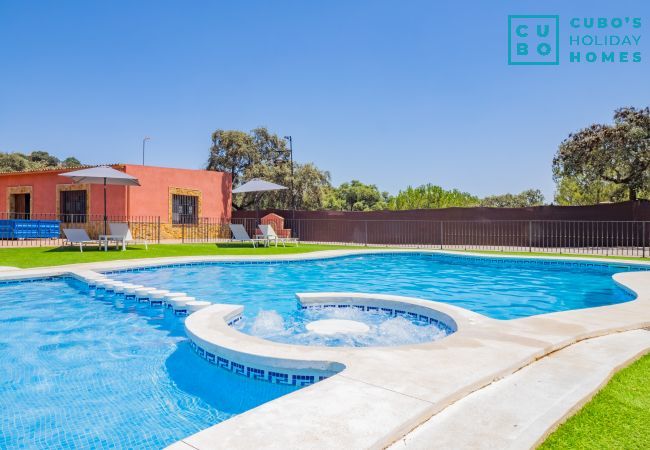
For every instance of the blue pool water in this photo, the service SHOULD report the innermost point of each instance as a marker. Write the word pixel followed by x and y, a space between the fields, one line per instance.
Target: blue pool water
pixel 384 328
pixel 85 373
pixel 497 290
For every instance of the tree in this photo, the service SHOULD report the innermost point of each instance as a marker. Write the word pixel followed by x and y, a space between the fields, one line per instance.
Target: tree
pixel 262 154
pixel 357 196
pixel 576 191
pixel 618 154
pixel 71 161
pixel 233 152
pixel 311 186
pixel 16 161
pixel 430 196
pixel 530 197
pixel 44 159
pixel 270 147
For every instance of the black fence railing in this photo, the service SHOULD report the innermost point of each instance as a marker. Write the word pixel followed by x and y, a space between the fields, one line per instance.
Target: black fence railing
pixel 47 229
pixel 623 238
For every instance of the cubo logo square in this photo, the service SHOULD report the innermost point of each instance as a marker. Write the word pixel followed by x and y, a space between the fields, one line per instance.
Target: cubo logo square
pixel 533 40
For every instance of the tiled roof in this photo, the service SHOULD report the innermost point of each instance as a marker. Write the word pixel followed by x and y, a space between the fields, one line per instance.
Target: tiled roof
pixel 58 169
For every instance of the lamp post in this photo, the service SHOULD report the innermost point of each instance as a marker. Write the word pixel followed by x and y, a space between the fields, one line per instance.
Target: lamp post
pixel 144 141
pixel 293 198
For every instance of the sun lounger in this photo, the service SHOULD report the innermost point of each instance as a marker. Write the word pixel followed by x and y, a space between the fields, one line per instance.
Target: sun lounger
pixel 120 232
pixel 239 234
pixel 78 236
pixel 269 234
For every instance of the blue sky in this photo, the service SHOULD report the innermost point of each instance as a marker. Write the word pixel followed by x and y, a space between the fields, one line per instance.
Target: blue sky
pixel 389 92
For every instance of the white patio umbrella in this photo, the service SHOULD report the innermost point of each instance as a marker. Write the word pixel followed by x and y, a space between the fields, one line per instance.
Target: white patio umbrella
pixel 257 185
pixel 102 175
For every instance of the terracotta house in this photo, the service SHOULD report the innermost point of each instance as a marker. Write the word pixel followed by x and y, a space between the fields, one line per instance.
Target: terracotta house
pixel 174 197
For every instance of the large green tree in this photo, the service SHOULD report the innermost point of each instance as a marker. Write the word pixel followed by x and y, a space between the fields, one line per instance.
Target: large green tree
pixel 607 156
pixel 430 196
pixel 262 154
pixel 529 197
pixel 232 151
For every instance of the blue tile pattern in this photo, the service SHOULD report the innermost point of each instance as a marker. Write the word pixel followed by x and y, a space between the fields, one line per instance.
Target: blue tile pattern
pixel 258 373
pixel 388 311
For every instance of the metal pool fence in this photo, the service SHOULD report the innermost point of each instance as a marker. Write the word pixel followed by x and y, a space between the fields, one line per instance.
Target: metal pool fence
pixel 46 230
pixel 621 238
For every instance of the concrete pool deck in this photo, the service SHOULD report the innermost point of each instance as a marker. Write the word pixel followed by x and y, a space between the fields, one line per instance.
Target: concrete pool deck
pixel 519 411
pixel 384 394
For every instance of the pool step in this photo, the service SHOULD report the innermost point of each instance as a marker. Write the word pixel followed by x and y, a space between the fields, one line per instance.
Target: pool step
pixel 179 302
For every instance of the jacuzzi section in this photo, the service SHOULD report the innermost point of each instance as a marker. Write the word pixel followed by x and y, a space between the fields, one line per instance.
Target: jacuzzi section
pixel 213 339
pixel 379 303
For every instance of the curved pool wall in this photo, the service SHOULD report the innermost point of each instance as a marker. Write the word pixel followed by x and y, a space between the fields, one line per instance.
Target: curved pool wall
pixel 497 287
pixel 385 323
pixel 84 371
pixel 362 302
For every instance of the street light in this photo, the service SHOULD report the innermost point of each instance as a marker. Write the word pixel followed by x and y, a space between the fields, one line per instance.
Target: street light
pixel 146 138
pixel 293 198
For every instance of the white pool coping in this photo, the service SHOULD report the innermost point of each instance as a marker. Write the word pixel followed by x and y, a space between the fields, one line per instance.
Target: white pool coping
pixel 519 411
pixel 384 392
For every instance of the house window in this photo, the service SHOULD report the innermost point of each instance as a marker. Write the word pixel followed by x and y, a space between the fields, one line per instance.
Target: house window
pixel 184 209
pixel 72 206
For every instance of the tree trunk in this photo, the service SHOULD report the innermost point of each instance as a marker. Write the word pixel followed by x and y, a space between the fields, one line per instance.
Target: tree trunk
pixel 632 194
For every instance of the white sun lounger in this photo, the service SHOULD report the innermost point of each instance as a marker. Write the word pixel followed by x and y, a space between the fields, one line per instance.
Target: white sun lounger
pixel 120 232
pixel 239 234
pixel 78 236
pixel 269 234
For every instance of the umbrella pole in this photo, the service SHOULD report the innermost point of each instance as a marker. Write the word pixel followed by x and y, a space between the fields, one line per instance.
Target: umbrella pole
pixel 257 210
pixel 104 205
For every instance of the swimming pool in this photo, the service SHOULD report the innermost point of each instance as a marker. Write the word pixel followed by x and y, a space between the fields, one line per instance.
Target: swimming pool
pixel 497 288
pixel 84 372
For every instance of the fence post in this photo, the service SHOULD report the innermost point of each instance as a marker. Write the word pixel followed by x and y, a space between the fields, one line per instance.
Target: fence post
pixel 182 233
pixel 441 234
pixel 530 236
pixel 365 222
pixel 158 222
pixel 643 239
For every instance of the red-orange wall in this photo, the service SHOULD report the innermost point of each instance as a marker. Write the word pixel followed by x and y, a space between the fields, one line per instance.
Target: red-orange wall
pixel 152 197
pixel 44 193
pixel 149 199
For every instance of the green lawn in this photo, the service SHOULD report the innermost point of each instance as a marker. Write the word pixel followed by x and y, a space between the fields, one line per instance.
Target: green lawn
pixel 618 417
pixel 55 256
pixel 25 257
